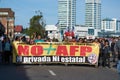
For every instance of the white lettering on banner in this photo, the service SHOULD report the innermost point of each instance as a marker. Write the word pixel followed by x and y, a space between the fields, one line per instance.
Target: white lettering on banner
pixel 36 59
pixel 25 60
pixel 55 58
pixel 73 59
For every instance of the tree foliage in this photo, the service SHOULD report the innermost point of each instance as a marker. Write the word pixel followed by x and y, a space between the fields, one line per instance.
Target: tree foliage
pixel 37 25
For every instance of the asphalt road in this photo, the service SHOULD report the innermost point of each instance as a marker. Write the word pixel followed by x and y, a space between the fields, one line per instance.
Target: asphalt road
pixel 56 72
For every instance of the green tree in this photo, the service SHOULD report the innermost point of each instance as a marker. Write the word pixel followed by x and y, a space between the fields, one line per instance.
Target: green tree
pixel 37 25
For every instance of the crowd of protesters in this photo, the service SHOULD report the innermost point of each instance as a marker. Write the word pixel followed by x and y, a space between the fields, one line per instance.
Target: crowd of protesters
pixel 109 47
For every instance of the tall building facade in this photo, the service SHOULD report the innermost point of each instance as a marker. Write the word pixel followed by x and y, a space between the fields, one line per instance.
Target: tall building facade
pixel 66 13
pixel 7 19
pixel 93 13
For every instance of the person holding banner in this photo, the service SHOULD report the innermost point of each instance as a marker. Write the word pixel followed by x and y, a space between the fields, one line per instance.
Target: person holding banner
pixel 38 39
pixel 81 40
pixel 97 41
pixel 65 39
pixel 27 39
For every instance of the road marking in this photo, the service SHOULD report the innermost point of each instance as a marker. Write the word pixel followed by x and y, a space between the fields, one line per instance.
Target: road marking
pixel 52 73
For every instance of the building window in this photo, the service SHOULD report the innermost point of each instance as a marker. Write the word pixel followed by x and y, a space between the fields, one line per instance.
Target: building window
pixel 50 31
pixel 91 31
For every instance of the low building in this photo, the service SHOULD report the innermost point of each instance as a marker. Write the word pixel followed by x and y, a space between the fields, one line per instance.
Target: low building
pixel 81 31
pixel 18 29
pixel 2 29
pixel 52 31
pixel 7 18
pixel 86 32
pixel 110 27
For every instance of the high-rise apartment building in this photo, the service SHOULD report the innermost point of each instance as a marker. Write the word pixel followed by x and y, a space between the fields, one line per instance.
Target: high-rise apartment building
pixel 66 13
pixel 93 13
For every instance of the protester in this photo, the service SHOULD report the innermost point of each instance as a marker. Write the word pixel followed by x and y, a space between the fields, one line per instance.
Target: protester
pixel 102 44
pixel 48 40
pixel 27 39
pixel 65 39
pixel 31 41
pixel 113 50
pixel 104 51
pixel 73 39
pixel 81 40
pixel 106 54
pixel 39 39
pixel 7 50
pixel 117 50
pixel 1 48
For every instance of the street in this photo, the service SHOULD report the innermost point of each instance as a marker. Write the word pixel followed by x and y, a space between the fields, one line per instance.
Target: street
pixel 56 72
